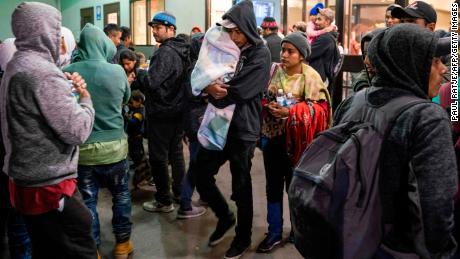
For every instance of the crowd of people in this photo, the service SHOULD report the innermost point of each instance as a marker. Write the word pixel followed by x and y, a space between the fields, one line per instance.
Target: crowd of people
pixel 73 116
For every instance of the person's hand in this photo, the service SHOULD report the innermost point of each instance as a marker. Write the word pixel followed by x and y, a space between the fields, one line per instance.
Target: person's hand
pixel 217 90
pixel 131 77
pixel 277 110
pixel 78 83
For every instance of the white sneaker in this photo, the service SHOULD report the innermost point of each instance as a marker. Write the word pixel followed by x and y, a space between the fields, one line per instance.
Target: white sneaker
pixel 194 212
pixel 155 206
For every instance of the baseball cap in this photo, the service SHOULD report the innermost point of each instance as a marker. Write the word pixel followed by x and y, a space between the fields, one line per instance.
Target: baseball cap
pixel 328 13
pixel 443 47
pixel 417 9
pixel 226 23
pixel 164 18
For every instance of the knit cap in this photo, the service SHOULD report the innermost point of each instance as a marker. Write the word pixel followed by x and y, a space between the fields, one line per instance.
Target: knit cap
pixel 269 23
pixel 299 40
pixel 314 10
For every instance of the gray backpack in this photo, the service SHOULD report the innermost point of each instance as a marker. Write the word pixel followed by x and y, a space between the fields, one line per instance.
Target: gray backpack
pixel 334 195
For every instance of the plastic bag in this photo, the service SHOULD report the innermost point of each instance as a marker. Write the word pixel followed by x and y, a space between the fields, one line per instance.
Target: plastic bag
pixel 213 130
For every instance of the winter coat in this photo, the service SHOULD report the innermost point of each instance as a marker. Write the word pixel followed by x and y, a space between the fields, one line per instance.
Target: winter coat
pixel 419 144
pixel 251 77
pixel 42 123
pixel 107 83
pixel 167 80
pixel 274 45
pixel 323 53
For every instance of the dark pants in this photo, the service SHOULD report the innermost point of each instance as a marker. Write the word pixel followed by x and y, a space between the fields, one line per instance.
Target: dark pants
pixel 115 177
pixel 18 237
pixel 136 149
pixel 165 145
pixel 239 153
pixel 189 181
pixel 278 170
pixel 65 234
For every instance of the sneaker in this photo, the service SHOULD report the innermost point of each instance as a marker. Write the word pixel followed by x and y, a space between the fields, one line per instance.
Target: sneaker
pixel 236 251
pixel 123 250
pixel 270 242
pixel 155 206
pixel 291 237
pixel 223 225
pixel 192 213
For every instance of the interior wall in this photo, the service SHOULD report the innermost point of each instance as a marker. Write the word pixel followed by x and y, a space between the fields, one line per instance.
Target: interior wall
pixel 71 13
pixel 6 10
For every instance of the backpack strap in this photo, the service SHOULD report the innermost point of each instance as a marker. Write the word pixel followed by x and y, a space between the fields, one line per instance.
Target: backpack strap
pixel 382 117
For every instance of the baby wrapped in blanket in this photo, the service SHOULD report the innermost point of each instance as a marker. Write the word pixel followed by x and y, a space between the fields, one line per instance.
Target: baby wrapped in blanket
pixel 217 60
pixel 216 63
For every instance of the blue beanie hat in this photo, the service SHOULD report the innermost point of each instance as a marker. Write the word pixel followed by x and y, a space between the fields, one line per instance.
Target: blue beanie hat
pixel 314 10
pixel 164 18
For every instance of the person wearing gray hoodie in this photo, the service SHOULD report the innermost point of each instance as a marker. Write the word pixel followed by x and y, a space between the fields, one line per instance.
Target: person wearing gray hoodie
pixel 42 125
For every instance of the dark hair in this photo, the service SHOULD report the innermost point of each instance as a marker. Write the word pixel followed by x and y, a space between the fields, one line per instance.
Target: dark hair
pixel 368 38
pixel 391 7
pixel 184 36
pixel 125 33
pixel 138 96
pixel 111 29
pixel 129 55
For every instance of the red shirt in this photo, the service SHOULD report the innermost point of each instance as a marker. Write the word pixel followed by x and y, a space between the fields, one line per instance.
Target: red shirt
pixel 39 200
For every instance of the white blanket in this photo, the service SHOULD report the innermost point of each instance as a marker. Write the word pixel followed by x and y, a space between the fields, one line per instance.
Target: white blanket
pixel 218 58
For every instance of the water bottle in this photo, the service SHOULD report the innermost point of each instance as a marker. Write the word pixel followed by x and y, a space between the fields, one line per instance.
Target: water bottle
pixel 74 91
pixel 290 99
pixel 281 98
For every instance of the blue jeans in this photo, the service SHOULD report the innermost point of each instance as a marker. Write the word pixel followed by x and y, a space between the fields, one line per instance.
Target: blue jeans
pixel 18 237
pixel 189 181
pixel 115 177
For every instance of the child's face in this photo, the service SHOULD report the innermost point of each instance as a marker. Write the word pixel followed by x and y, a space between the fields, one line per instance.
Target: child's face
pixel 135 104
pixel 128 65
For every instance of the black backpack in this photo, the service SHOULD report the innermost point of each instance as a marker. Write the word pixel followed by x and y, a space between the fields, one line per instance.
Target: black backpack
pixel 334 195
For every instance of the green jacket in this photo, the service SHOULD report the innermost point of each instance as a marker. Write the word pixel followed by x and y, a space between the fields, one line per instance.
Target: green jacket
pixel 107 83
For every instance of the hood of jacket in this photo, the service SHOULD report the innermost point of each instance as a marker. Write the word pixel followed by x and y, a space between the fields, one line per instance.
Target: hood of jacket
pixel 242 14
pixel 179 45
pixel 95 45
pixel 402 57
pixel 37 27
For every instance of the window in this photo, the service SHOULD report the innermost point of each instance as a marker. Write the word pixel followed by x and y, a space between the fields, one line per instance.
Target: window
pixel 141 13
pixel 295 12
pixel 217 8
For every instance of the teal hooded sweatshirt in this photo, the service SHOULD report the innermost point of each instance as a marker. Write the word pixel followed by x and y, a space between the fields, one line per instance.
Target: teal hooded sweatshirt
pixel 107 83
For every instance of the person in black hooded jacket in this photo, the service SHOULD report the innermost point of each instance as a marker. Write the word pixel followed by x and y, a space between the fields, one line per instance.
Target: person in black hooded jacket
pixel 245 90
pixel 324 52
pixel 164 107
pixel 418 152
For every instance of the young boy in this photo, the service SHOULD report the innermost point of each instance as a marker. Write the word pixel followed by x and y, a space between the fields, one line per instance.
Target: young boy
pixel 135 128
